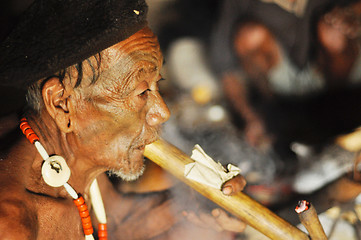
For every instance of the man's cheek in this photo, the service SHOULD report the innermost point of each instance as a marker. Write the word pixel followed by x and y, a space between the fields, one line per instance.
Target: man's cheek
pixel 132 122
pixel 93 133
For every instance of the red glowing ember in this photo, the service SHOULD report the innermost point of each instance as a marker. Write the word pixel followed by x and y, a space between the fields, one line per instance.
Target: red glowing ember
pixel 302 206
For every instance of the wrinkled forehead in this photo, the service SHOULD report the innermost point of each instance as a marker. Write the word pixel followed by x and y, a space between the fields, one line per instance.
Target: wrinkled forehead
pixel 122 63
pixel 141 50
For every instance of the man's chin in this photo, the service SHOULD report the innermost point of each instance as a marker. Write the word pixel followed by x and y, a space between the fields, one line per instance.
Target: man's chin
pixel 132 176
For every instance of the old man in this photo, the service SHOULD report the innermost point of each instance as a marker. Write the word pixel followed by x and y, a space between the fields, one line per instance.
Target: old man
pixel 91 71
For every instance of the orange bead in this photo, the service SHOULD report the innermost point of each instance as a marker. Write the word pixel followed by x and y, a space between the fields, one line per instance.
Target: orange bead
pixel 33 137
pixel 88 231
pixel 102 234
pixel 79 201
pixel 82 208
pixel 24 126
pixel 27 131
pixel 23 122
pixel 86 219
pixel 84 214
pixel 102 231
pixel 87 225
pixel 102 226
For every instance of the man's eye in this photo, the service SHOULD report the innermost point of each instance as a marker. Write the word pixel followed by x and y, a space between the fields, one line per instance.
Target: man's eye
pixel 144 93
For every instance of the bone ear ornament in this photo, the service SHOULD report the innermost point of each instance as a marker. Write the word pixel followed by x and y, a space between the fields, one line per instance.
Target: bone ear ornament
pixel 54 170
pixel 56 173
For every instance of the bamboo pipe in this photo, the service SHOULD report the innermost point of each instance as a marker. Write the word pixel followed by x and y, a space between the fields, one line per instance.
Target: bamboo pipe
pixel 308 217
pixel 242 206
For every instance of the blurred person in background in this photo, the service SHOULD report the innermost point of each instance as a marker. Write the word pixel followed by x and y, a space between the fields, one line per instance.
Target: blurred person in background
pixel 290 69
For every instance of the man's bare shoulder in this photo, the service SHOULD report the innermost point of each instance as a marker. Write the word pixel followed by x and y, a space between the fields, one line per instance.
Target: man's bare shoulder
pixel 17 219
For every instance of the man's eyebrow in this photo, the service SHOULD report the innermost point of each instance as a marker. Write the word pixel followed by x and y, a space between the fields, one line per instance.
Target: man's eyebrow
pixel 149 69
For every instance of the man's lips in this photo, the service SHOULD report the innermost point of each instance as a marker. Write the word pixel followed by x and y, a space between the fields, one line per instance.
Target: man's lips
pixel 149 136
pixel 142 146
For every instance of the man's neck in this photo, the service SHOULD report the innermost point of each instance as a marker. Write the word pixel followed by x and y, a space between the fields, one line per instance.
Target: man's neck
pixel 55 143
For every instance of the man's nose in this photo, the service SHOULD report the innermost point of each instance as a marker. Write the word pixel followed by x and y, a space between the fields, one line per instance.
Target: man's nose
pixel 158 112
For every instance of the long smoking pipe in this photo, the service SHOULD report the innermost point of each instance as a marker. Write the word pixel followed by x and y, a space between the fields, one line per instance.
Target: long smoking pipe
pixel 240 205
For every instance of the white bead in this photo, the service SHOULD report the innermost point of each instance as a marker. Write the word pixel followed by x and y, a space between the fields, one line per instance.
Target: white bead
pixel 89 237
pixel 71 191
pixel 41 150
pixel 55 171
pixel 97 202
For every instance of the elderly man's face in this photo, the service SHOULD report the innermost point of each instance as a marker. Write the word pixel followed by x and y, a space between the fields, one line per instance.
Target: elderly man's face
pixel 123 110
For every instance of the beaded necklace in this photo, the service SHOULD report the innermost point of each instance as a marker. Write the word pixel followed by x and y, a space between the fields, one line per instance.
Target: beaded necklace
pixel 56 173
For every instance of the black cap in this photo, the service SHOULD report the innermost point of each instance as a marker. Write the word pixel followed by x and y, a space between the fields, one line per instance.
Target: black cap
pixel 54 34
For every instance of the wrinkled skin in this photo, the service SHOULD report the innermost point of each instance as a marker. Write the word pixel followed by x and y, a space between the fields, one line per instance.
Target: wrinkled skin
pixel 127 109
pixel 95 127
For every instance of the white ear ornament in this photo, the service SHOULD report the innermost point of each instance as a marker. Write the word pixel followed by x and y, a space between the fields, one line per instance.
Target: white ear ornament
pixel 55 171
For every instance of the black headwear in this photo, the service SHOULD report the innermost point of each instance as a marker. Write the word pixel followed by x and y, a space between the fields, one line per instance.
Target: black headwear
pixel 54 34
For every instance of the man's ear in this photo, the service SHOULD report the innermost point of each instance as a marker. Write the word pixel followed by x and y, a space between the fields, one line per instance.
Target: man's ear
pixel 56 101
